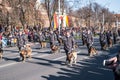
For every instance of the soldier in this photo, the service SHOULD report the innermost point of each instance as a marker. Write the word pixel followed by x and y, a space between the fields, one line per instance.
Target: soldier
pixel 41 38
pixel 20 40
pixel 52 38
pixel 103 40
pixel 69 43
pixel 108 34
pixel 58 36
pixel 84 36
pixel 89 40
pixel 115 36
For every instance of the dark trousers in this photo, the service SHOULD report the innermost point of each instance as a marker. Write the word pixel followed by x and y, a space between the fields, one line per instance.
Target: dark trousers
pixel 19 48
pixel 88 46
pixel 114 38
pixel 83 41
pixel 116 76
pixel 67 55
pixel 103 45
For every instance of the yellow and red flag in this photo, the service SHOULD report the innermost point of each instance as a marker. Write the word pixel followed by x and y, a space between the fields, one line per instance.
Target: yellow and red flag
pixel 55 21
pixel 67 21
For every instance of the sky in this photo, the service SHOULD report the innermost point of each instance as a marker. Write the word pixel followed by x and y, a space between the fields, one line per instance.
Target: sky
pixel 113 5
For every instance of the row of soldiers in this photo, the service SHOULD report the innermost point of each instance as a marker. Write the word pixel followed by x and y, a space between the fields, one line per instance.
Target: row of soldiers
pixel 68 40
pixel 23 37
pixel 106 38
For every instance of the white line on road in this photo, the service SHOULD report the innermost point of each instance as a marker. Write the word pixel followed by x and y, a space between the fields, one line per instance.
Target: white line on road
pixel 13 63
pixel 59 58
pixel 8 64
pixel 41 56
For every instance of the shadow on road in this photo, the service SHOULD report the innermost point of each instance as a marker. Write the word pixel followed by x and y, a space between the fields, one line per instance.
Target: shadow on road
pixel 89 69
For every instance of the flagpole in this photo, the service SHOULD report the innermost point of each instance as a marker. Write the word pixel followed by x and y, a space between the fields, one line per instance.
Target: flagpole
pixel 103 20
pixel 59 16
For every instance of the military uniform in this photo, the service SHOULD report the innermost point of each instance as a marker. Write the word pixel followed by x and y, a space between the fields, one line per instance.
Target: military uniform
pixel 52 38
pixel 20 41
pixel 41 38
pixel 84 37
pixel 69 43
pixel 115 37
pixel 108 34
pixel 89 40
pixel 102 39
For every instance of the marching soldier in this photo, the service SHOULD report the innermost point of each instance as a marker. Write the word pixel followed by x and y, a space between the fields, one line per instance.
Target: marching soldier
pixel 108 34
pixel 69 43
pixel 41 38
pixel 20 40
pixel 114 37
pixel 52 38
pixel 103 40
pixel 89 40
pixel 84 36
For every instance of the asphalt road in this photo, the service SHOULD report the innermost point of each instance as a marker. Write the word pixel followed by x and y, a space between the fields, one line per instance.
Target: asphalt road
pixel 47 66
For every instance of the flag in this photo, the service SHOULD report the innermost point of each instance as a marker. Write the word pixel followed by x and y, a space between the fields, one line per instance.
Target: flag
pixel 67 21
pixel 55 21
pixel 64 21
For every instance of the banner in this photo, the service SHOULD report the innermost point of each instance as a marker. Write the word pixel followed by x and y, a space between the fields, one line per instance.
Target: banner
pixel 55 21
pixel 67 21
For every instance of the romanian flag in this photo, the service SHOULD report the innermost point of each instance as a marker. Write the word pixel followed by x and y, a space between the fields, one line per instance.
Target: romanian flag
pixel 55 21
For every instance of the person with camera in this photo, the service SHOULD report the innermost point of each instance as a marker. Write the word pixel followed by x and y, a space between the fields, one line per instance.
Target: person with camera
pixel 114 64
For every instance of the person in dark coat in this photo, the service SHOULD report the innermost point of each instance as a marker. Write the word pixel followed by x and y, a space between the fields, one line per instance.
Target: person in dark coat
pixel 41 38
pixel 20 40
pixel 108 34
pixel 58 36
pixel 89 40
pixel 69 43
pixel 84 36
pixel 103 40
pixel 52 38
pixel 115 37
